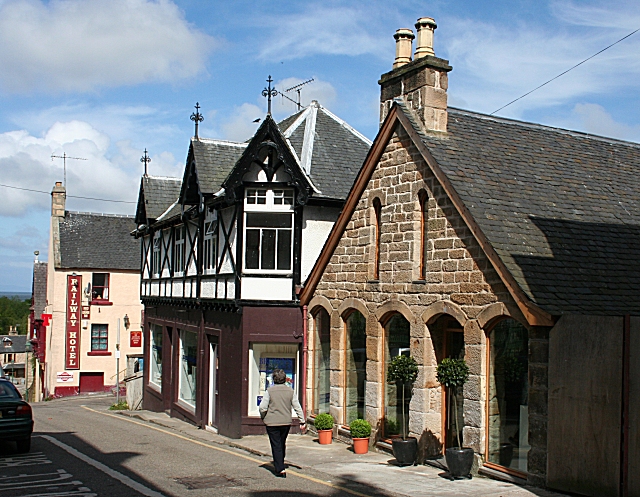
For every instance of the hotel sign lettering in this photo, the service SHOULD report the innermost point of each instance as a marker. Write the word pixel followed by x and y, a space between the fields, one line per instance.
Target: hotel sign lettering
pixel 72 359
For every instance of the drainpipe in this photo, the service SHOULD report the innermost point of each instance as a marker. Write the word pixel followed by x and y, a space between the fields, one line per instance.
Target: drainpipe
pixel 304 360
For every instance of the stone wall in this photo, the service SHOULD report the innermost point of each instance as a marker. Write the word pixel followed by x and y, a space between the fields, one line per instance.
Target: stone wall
pixel 459 282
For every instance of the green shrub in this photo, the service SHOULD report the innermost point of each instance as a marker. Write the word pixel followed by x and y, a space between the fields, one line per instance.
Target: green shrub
pixel 120 406
pixel 452 373
pixel 402 369
pixel 360 428
pixel 324 422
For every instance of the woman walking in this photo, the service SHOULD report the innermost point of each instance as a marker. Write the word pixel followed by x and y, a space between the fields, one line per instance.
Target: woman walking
pixel 275 410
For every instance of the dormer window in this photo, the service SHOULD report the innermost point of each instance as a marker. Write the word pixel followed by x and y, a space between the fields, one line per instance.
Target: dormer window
pixel 268 230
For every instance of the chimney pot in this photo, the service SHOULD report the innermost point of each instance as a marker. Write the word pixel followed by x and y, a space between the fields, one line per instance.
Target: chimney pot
pixel 404 38
pixel 425 26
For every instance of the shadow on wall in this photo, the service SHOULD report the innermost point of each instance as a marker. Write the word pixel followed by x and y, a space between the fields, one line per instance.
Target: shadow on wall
pixel 592 267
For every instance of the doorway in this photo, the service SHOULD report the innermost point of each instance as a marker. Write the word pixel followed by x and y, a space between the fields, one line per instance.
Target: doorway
pixel 91 382
pixel 213 383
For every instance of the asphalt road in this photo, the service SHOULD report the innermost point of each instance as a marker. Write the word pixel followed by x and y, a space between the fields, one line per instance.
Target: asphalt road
pixel 81 449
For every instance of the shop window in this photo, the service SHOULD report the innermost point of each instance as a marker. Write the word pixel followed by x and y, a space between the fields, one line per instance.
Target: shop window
pixel 210 245
pixel 100 286
pixel 321 362
pixel 188 363
pixel 155 260
pixel 508 411
pixel 377 212
pixel 155 374
pixel 178 249
pixel 263 359
pixel 355 366
pixel 396 342
pixel 99 337
pixel 268 225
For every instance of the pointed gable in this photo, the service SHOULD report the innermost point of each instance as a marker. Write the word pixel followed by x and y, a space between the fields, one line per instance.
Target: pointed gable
pixel 155 196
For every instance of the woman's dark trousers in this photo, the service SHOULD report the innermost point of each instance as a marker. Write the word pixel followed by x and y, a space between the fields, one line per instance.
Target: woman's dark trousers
pixel 278 439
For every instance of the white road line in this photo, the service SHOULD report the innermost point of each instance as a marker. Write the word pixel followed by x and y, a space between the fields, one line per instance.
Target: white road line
pixel 138 487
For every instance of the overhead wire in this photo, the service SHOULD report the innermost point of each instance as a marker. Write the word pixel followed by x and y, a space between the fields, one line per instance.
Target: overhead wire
pixel 565 72
pixel 70 196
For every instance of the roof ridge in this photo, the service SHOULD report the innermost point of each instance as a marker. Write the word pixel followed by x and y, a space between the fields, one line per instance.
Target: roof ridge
pixel 102 214
pixel 345 125
pixel 296 124
pixel 220 142
pixel 564 131
pixel 170 178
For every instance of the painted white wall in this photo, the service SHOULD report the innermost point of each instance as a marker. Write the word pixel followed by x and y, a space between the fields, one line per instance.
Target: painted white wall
pixel 266 288
pixel 317 222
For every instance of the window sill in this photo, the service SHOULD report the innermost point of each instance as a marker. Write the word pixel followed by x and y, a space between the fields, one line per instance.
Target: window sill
pixel 98 353
pixel 101 302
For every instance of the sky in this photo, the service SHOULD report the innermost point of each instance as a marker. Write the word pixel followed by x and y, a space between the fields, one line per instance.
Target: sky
pixel 103 80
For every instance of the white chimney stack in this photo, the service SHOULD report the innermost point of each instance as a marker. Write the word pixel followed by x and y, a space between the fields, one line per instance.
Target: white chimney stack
pixel 404 38
pixel 425 26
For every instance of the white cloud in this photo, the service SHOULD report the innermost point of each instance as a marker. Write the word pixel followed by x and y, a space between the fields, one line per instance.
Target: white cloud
pixel 327 29
pixel 240 126
pixel 80 45
pixel 594 119
pixel 25 162
pixel 319 90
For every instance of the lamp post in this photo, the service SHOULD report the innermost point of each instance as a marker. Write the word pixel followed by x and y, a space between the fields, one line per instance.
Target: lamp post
pixel 27 348
pixel 118 364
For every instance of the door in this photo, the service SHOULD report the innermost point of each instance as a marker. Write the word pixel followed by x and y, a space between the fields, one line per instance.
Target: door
pixel 213 384
pixel 91 382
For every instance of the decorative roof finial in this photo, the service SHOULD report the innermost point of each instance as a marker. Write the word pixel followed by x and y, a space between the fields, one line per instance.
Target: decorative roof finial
pixel 269 92
pixel 146 159
pixel 196 117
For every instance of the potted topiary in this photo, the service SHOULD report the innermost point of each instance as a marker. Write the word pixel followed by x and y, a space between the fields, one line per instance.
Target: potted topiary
pixel 403 371
pixel 453 374
pixel 360 432
pixel 324 425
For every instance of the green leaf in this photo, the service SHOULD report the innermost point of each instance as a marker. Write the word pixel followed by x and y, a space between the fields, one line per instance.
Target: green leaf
pixel 452 373
pixel 402 369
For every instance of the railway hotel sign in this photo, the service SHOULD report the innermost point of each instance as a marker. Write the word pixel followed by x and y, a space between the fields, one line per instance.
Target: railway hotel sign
pixel 72 359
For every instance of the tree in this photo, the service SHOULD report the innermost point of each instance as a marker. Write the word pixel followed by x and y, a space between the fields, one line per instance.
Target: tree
pixel 14 312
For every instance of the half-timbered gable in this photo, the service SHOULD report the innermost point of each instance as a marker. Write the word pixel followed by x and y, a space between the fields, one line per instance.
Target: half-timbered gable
pixel 227 255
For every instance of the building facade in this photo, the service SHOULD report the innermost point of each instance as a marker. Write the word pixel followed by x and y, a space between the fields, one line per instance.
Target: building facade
pixel 223 260
pixel 507 244
pixel 93 301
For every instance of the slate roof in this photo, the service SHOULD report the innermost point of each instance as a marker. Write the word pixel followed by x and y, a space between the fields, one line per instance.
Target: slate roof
pixel 18 344
pixel 561 208
pixel 159 193
pixel 98 241
pixel 214 161
pixel 338 150
pixel 39 288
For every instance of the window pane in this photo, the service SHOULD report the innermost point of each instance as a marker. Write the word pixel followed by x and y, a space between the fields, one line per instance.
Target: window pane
pixel 355 366
pixel 252 249
pixel 156 354
pixel 268 256
pixel 322 367
pixel 188 356
pixel 396 343
pixel 508 442
pixel 284 249
pixel 268 220
pixel 99 279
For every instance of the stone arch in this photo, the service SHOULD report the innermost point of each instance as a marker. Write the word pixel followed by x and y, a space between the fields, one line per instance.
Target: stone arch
pixel 319 301
pixel 393 306
pixel 444 307
pixel 492 312
pixel 351 303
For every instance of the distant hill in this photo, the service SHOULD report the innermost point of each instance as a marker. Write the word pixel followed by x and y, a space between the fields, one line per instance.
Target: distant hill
pixel 19 295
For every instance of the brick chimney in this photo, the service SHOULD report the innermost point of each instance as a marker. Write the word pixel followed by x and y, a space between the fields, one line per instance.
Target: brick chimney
pixel 58 199
pixel 422 83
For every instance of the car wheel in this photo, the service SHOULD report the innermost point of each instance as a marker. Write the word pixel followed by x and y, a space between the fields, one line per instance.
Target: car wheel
pixel 24 445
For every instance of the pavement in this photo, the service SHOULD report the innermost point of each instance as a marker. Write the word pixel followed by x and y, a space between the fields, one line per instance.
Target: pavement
pixel 337 460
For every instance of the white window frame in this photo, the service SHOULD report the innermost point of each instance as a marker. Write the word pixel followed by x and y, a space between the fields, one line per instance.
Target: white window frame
pixel 210 244
pixel 179 250
pixel 156 255
pixel 271 196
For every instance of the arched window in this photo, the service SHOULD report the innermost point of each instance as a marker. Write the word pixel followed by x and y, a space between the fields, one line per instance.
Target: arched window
pixel 397 342
pixel 321 362
pixel 508 411
pixel 423 200
pixel 377 212
pixel 355 366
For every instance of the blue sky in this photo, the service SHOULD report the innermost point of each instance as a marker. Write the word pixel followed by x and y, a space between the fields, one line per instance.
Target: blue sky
pixel 104 80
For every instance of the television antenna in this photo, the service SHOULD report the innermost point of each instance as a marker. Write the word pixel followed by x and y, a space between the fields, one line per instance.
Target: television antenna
pixel 297 89
pixel 64 158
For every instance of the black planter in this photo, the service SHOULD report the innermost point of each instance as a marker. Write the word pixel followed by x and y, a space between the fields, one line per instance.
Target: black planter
pixel 405 451
pixel 459 461
pixel 506 454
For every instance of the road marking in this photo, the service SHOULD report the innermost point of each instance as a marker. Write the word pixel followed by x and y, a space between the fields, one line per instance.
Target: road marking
pixel 226 451
pixel 138 487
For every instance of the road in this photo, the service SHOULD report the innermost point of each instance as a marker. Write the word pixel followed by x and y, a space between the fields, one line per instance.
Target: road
pixel 81 449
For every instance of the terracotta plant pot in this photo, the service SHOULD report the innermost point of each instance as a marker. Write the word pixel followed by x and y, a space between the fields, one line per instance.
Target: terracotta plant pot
pixel 325 436
pixel 361 445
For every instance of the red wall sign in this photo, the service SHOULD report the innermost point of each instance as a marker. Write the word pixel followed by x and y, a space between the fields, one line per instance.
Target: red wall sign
pixel 135 339
pixel 72 359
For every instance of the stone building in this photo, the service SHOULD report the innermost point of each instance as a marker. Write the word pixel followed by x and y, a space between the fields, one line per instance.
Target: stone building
pixel 92 300
pixel 509 244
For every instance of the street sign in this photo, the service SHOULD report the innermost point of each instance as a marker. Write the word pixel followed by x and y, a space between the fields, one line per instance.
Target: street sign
pixel 135 339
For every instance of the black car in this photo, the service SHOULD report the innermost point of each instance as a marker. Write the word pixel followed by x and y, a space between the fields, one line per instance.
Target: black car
pixel 16 419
